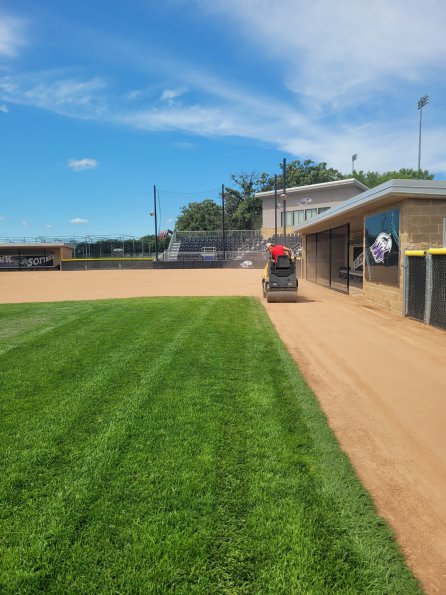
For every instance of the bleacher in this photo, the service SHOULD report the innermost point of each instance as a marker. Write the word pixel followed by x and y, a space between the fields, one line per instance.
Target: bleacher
pixel 292 240
pixel 194 245
pixel 238 244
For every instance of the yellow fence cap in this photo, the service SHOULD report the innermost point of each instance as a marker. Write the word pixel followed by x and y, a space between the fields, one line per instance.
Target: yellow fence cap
pixel 415 253
pixel 437 250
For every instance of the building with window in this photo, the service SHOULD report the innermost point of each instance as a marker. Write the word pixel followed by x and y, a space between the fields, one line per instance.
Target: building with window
pixel 303 203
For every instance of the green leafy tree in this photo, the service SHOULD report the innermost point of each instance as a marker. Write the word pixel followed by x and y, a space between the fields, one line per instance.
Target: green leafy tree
pixel 302 173
pixel 374 178
pixel 205 216
pixel 243 210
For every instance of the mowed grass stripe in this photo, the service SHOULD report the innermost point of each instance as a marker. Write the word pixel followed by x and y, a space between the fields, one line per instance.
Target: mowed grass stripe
pixel 173 446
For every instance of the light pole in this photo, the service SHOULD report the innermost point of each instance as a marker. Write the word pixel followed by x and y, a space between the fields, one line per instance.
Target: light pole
pixel 283 197
pixel 223 220
pixel 421 103
pixel 153 214
pixel 275 208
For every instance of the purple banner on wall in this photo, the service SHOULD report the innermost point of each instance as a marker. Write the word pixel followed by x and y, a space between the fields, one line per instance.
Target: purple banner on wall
pixel 382 247
pixel 26 261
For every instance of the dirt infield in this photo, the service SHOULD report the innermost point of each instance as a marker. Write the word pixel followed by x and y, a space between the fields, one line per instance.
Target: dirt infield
pixel 380 378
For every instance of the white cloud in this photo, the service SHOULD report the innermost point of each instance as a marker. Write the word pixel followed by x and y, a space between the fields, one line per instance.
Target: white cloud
pixel 78 221
pixel 81 164
pixel 345 63
pixel 4 109
pixel 332 50
pixel 11 35
pixel 52 90
pixel 48 226
pixel 26 224
pixel 133 95
pixel 170 95
pixel 2 218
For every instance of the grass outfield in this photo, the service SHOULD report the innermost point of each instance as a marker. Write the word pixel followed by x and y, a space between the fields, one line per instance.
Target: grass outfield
pixel 171 445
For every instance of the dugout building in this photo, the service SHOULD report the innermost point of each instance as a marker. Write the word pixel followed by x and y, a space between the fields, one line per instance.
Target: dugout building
pixel 35 256
pixel 369 239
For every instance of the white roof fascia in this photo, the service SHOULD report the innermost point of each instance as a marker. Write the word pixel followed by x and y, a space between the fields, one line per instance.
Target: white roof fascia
pixel 319 186
pixel 421 188
pixel 34 245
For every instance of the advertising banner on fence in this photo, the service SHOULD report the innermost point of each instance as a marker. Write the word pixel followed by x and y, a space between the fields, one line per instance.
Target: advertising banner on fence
pixel 23 261
pixel 382 247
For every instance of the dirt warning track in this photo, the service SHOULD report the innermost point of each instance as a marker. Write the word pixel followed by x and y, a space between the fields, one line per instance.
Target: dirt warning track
pixel 380 378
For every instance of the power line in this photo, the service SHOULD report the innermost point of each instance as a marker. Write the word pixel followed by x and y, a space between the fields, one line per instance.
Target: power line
pixel 189 193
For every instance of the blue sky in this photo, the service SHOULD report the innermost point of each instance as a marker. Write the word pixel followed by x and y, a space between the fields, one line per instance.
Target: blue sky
pixel 99 101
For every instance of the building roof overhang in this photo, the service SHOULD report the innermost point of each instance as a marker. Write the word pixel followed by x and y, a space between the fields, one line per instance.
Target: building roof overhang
pixel 380 196
pixel 35 245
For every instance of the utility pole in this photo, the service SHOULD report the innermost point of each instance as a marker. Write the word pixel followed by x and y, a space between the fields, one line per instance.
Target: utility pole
pixel 421 103
pixel 156 223
pixel 283 197
pixel 275 208
pixel 223 219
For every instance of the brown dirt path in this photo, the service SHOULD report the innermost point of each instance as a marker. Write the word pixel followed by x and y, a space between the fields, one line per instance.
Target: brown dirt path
pixel 380 378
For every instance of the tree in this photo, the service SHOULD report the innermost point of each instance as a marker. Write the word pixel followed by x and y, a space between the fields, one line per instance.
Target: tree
pixel 205 215
pixel 243 210
pixel 374 178
pixel 300 173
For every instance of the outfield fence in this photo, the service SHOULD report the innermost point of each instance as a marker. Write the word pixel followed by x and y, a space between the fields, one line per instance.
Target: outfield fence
pixel 425 286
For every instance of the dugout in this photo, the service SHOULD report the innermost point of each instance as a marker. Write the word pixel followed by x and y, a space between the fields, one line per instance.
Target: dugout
pixel 32 257
pixel 362 241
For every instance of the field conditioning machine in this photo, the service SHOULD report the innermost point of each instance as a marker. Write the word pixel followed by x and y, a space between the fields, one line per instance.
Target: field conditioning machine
pixel 279 280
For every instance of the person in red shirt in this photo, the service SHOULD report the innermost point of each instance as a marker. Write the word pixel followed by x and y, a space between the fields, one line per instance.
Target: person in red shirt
pixel 278 250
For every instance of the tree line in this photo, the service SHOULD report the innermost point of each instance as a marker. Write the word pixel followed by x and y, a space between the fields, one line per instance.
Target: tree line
pixel 243 210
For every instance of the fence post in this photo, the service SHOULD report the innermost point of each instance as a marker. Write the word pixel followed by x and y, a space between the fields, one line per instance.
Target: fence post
pixel 428 294
pixel 406 285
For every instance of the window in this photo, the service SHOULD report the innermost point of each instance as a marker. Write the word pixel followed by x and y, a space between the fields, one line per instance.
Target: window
pixel 322 210
pixel 309 213
pixel 299 217
pixel 444 233
pixel 289 218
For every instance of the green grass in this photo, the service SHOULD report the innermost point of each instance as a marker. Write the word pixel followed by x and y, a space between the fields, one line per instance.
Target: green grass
pixel 171 445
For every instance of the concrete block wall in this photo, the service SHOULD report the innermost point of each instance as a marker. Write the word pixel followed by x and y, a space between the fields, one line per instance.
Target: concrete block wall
pixel 422 226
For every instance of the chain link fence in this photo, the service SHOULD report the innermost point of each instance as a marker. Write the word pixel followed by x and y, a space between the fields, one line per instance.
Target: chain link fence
pixel 425 286
pixel 438 296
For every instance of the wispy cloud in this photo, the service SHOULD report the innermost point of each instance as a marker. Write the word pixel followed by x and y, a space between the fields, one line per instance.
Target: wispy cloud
pixel 170 95
pixel 26 223
pixel 4 109
pixel 336 81
pixel 134 95
pixel 54 91
pixel 330 50
pixel 2 218
pixel 12 35
pixel 81 164
pixel 78 221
